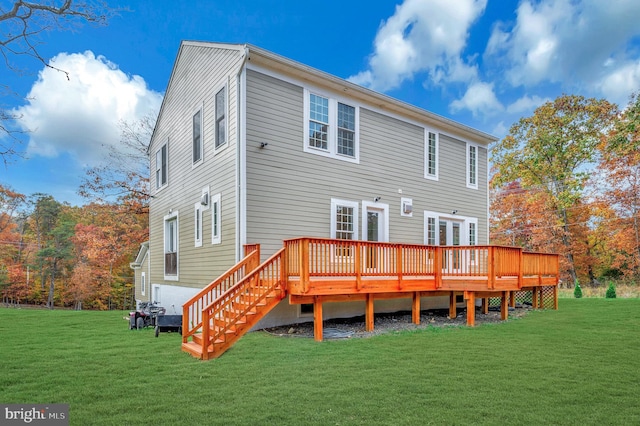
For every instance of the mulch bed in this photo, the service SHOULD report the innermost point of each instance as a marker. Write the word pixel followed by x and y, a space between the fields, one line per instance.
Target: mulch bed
pixel 391 322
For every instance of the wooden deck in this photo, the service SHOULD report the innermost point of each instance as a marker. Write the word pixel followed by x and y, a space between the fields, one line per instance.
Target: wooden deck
pixel 319 270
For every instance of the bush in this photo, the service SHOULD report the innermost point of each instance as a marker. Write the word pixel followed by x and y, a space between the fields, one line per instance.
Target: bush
pixel 611 292
pixel 577 291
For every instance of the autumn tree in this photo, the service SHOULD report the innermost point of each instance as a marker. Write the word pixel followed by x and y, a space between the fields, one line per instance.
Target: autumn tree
pixel 124 173
pixel 10 240
pixel 620 187
pixel 550 151
pixel 56 251
pixel 22 26
pixel 106 237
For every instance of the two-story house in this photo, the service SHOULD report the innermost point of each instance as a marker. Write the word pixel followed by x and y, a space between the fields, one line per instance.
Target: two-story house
pixel 253 147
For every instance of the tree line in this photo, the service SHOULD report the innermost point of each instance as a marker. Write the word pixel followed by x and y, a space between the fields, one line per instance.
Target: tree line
pixel 55 254
pixel 567 180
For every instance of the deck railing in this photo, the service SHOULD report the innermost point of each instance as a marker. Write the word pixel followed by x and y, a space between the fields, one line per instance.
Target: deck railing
pixel 542 264
pixel 224 314
pixel 310 258
pixel 192 309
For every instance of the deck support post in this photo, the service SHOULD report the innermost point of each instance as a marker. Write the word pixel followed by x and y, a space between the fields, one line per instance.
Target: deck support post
pixel 470 296
pixel 504 306
pixel 452 305
pixel 555 297
pixel 541 300
pixel 534 297
pixel 415 308
pixel 512 299
pixel 369 313
pixel 485 305
pixel 317 319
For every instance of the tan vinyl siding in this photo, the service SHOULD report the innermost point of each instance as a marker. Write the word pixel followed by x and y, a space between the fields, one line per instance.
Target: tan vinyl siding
pixel 199 73
pixel 289 191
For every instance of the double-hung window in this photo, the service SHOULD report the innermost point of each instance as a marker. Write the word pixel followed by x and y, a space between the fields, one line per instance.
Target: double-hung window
pixel 197 137
pixel 472 166
pixel 346 130
pixel 161 166
pixel 171 246
pixel 318 122
pixel 331 127
pixel 344 224
pixel 431 156
pixel 221 117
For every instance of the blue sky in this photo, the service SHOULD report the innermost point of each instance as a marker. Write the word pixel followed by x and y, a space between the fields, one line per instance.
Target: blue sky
pixel 485 63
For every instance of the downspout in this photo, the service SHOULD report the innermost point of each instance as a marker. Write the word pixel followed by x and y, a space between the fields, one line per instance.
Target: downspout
pixel 241 196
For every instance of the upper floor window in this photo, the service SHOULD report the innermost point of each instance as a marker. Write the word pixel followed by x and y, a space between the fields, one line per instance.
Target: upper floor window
pixel 331 127
pixel 346 130
pixel 472 166
pixel 161 166
pixel 318 122
pixel 221 117
pixel 431 156
pixel 197 137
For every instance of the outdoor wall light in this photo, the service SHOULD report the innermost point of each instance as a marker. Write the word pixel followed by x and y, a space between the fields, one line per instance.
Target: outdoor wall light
pixel 454 212
pixel 375 200
pixel 263 144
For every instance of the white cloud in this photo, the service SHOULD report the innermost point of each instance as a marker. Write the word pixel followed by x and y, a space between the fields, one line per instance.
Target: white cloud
pixel 422 35
pixel 573 43
pixel 621 83
pixel 500 130
pixel 79 115
pixel 479 99
pixel 526 104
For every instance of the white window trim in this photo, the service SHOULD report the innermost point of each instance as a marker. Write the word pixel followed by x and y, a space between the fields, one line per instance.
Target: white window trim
pixel 161 187
pixel 427 216
pixel 197 221
pixel 464 220
pixel 366 205
pixel 335 202
pixel 143 283
pixel 168 217
pixel 468 165
pixel 426 155
pixel 216 237
pixel 226 143
pixel 404 201
pixel 332 137
pixel 155 294
pixel 200 109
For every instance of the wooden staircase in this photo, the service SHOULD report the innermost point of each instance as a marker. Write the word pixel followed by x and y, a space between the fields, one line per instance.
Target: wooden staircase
pixel 222 312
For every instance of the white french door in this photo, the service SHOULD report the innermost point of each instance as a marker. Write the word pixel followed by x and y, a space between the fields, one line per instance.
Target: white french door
pixel 450 234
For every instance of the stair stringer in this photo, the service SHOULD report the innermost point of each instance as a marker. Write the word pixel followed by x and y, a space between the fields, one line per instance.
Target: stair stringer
pixel 239 309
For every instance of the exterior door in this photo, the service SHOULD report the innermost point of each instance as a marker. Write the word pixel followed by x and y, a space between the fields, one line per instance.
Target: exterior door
pixel 376 232
pixel 450 232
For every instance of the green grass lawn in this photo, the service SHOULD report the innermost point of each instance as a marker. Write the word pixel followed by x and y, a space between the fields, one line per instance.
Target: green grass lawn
pixel 578 365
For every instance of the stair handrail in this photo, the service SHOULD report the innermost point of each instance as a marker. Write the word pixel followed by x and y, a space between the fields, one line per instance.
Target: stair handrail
pixel 215 308
pixel 192 309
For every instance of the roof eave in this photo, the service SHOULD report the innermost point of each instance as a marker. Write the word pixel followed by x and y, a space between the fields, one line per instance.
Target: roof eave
pixel 288 66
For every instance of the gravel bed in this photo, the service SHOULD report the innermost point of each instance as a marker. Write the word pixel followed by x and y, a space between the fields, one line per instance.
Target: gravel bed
pixel 391 322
